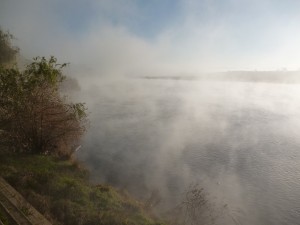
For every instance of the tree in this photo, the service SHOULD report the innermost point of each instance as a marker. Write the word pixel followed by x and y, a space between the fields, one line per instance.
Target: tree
pixel 7 51
pixel 34 117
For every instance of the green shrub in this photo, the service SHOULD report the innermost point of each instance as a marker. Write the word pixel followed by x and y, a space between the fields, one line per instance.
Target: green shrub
pixel 60 190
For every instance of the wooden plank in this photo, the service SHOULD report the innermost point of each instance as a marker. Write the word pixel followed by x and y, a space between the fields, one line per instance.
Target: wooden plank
pixel 9 197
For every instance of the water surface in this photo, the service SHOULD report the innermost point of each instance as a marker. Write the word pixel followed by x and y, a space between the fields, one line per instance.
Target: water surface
pixel 239 140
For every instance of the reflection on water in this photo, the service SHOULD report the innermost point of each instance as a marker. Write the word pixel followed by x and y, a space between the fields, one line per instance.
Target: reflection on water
pixel 238 140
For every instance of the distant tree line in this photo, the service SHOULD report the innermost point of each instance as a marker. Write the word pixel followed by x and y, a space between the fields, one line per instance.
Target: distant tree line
pixel 34 116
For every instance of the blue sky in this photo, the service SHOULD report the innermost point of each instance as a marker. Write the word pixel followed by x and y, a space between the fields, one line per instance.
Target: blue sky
pixel 159 36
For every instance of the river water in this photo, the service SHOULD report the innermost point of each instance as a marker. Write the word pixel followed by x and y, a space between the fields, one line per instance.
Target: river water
pixel 240 141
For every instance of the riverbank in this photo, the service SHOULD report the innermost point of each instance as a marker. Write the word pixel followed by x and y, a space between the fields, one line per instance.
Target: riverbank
pixel 61 191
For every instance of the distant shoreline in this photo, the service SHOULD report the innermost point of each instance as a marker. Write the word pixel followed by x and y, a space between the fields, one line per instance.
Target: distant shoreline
pixel 289 77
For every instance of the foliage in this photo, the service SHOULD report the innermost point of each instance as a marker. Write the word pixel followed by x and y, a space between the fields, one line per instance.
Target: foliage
pixel 33 114
pixel 60 190
pixel 7 51
pixel 194 209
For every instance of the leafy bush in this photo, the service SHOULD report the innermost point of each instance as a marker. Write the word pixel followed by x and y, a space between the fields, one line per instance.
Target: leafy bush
pixel 7 51
pixel 34 117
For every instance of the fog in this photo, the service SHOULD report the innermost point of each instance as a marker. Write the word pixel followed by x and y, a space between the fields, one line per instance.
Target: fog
pixel 121 38
pixel 179 93
pixel 237 140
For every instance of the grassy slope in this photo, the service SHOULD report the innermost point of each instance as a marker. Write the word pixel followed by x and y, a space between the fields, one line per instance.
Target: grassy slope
pixel 60 190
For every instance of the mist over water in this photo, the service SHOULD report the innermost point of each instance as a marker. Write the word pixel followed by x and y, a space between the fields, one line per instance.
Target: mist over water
pixel 236 135
pixel 238 140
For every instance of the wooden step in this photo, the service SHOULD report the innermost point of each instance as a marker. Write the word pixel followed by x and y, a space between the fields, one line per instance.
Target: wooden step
pixel 18 208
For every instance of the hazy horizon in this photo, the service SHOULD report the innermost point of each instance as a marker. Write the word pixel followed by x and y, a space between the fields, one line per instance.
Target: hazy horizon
pixel 117 38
